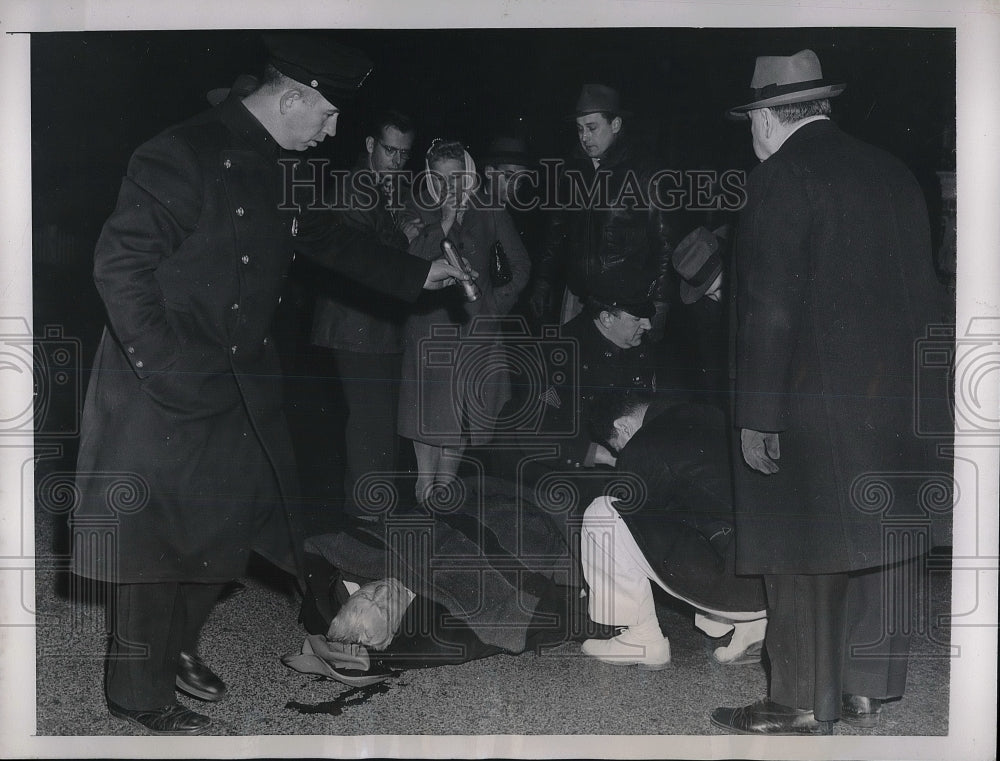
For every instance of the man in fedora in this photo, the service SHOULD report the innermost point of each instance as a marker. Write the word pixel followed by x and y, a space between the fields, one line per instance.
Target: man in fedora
pixel 606 217
pixel 834 287
pixel 184 402
pixel 699 325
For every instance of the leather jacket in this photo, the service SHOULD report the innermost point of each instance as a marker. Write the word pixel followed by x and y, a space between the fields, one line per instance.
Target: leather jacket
pixel 618 226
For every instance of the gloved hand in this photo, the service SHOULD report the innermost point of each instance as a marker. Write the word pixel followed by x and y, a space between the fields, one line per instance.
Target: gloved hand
pixel 760 450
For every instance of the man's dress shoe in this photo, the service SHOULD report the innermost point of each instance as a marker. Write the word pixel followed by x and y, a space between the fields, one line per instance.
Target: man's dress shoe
pixel 197 679
pixel 766 717
pixel 859 711
pixel 169 720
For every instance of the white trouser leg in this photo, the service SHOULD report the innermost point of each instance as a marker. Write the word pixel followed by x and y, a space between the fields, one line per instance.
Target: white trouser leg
pixel 619 577
pixel 619 585
pixel 620 593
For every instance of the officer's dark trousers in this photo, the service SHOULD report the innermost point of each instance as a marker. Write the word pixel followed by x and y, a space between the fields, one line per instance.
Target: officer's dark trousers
pixel 371 389
pixel 828 634
pixel 151 625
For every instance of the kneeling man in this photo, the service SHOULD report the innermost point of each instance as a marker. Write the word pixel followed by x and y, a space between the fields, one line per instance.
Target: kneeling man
pixel 677 532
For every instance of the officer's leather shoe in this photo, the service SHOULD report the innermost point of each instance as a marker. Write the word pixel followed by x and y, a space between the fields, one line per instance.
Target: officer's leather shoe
pixel 196 679
pixel 766 717
pixel 859 711
pixel 169 720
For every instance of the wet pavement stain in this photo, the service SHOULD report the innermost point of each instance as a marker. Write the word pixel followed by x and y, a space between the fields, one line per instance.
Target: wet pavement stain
pixel 353 697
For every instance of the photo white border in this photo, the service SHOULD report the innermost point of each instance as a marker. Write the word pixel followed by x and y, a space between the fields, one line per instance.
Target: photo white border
pixel 972 732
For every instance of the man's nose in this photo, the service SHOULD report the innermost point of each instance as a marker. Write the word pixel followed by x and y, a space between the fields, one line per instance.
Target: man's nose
pixel 645 324
pixel 330 127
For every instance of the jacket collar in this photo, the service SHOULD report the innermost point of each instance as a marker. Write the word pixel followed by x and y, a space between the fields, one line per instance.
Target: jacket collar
pixel 619 151
pixel 810 128
pixel 247 129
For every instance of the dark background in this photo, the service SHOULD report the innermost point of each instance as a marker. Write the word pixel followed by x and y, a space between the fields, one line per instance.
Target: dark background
pixel 98 95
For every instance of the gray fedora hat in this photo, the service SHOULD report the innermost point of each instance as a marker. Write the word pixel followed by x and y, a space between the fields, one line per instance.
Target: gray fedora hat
pixel 779 80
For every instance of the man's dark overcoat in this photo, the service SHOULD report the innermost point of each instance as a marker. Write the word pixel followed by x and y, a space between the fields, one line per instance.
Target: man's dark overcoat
pixel 835 288
pixel 185 460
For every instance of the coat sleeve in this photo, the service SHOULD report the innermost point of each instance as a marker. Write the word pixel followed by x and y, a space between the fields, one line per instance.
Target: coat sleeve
pixel 773 271
pixel 333 241
pixel 158 206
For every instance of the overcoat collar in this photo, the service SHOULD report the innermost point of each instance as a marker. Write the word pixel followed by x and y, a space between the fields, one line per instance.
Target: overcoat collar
pixel 247 129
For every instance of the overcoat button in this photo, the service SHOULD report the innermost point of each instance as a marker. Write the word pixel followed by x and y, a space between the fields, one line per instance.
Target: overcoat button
pixel 227 163
pixel 235 307
pixel 131 350
pixel 245 259
pixel 265 342
pixel 139 364
pixel 240 212
pixel 232 349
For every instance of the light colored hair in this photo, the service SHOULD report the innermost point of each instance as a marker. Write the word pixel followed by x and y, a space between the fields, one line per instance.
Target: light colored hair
pixel 789 113
pixel 364 621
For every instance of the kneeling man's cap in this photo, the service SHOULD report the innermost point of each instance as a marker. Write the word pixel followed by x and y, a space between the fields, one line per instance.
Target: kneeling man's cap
pixel 626 288
pixel 336 71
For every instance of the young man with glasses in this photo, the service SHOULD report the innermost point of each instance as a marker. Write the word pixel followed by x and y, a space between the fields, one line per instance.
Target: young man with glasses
pixel 362 331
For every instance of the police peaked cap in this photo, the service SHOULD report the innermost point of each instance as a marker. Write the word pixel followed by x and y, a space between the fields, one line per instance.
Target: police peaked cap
pixel 334 70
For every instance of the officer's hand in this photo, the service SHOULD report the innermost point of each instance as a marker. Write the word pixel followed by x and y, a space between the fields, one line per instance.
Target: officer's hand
pixel 442 274
pixel 411 229
pixel 760 450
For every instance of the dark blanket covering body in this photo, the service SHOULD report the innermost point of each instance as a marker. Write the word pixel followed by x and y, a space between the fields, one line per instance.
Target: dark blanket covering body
pixel 496 562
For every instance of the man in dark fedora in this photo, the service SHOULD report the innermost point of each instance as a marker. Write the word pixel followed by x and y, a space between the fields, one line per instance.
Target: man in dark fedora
pixel 699 323
pixel 184 401
pixel 833 245
pixel 606 217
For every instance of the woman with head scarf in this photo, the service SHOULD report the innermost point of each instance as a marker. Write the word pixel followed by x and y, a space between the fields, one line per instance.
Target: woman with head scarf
pixel 455 378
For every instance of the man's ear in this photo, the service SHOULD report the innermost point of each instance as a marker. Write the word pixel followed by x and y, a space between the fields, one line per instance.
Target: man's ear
pixel 605 318
pixel 288 100
pixel 770 122
pixel 616 124
pixel 623 427
pixel 369 145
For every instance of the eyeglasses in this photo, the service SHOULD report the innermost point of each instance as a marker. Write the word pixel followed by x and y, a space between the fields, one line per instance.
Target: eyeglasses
pixel 392 151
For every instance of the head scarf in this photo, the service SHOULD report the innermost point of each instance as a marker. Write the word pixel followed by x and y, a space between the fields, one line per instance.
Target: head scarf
pixel 469 180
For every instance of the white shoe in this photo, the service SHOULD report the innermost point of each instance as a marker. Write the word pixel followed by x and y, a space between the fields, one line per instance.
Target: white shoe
pixel 623 650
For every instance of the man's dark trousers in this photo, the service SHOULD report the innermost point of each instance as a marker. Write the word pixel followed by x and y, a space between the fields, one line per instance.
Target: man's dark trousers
pixel 828 634
pixel 370 383
pixel 152 624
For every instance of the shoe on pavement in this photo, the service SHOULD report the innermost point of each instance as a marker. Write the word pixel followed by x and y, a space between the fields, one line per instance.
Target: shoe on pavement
pixel 197 680
pixel 860 711
pixel 170 720
pixel 765 717
pixel 623 650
